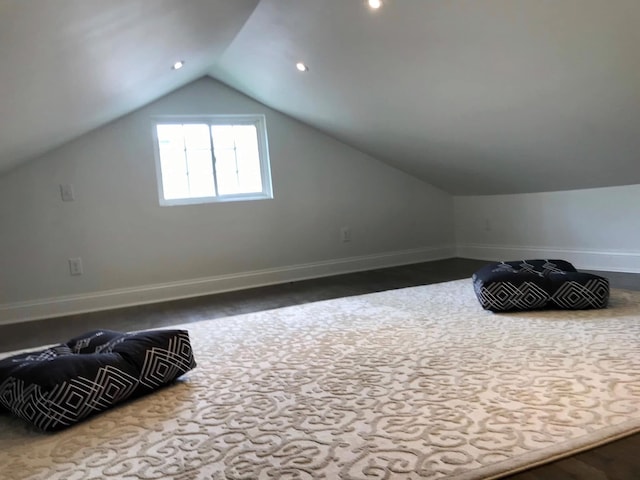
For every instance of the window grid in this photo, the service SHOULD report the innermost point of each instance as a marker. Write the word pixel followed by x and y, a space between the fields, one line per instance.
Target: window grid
pixel 216 190
pixel 246 178
pixel 186 161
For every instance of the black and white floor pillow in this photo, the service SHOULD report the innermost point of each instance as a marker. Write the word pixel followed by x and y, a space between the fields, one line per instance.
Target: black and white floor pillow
pixel 61 385
pixel 535 284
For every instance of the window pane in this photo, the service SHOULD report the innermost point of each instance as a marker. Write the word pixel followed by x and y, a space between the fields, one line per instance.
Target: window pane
pixel 201 186
pixel 175 185
pixel 173 159
pixel 249 170
pixel 237 158
pixel 196 137
pixel 227 172
pixel 246 136
pixel 199 161
pixel 223 136
pixel 201 173
pixel 170 136
pixel 175 182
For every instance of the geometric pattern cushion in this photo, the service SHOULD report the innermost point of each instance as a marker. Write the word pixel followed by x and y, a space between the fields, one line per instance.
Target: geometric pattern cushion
pixel 536 284
pixel 61 385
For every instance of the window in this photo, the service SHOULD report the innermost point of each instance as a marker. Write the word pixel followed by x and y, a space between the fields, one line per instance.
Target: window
pixel 211 159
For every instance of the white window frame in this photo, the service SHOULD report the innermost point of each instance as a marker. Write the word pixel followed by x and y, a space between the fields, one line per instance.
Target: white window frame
pixel 259 121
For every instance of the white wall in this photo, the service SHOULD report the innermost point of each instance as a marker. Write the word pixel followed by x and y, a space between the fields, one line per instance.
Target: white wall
pixel 595 228
pixel 135 251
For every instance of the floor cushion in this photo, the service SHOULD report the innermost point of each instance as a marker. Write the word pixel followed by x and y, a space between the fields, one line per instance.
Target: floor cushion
pixel 61 385
pixel 535 284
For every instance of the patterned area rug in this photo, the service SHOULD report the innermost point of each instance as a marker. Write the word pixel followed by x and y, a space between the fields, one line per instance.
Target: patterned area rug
pixel 418 383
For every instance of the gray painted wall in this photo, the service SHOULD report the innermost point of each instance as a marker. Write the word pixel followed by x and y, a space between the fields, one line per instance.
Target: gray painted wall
pixel 135 251
pixel 595 228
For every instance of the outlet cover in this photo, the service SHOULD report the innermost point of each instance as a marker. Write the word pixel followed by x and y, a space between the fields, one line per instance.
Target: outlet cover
pixel 75 266
pixel 345 234
pixel 67 193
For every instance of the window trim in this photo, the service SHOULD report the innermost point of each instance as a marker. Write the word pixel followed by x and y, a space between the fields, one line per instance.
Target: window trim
pixel 258 120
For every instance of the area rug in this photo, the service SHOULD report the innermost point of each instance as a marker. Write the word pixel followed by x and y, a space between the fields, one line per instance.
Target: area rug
pixel 417 383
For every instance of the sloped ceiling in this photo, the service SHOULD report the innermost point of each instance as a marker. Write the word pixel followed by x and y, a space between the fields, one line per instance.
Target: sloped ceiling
pixel 68 66
pixel 473 96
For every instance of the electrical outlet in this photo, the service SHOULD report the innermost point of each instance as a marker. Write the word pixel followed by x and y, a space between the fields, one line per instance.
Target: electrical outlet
pixel 75 266
pixel 345 234
pixel 67 193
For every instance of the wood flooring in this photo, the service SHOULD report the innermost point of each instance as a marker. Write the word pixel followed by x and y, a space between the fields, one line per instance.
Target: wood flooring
pixel 619 460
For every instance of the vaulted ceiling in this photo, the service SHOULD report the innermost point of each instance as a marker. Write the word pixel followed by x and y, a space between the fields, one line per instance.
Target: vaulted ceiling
pixel 473 96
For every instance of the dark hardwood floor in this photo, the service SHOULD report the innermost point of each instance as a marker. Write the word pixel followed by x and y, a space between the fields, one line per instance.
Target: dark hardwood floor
pixel 619 460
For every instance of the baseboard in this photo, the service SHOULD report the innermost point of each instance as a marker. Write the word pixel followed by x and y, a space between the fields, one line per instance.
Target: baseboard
pixel 105 300
pixel 604 260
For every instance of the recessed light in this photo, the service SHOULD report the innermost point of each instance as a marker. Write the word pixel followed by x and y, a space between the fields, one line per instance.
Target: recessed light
pixel 375 4
pixel 302 67
pixel 178 65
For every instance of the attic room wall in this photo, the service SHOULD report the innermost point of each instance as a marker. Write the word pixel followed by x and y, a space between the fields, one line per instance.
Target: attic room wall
pixel 135 251
pixel 597 229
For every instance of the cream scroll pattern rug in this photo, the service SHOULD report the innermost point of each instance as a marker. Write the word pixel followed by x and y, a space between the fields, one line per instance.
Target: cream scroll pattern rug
pixel 417 383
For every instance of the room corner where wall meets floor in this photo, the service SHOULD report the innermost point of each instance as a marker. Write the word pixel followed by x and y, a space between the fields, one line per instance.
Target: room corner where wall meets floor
pixel 596 229
pixel 161 314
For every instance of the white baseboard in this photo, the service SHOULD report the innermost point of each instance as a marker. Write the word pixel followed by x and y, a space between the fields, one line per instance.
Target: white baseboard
pixel 125 297
pixel 604 260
